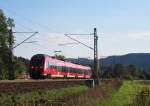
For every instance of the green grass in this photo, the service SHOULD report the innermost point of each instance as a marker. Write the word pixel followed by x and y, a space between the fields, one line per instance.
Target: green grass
pixel 105 95
pixel 40 96
pixel 125 94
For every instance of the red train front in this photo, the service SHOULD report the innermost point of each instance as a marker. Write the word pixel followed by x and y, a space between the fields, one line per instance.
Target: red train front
pixel 42 66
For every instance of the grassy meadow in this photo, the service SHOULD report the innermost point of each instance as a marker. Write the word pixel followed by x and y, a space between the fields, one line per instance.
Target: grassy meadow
pixel 40 97
pixel 110 93
pixel 127 94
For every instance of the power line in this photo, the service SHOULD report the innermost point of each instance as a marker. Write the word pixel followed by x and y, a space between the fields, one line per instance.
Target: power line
pixel 25 27
pixel 25 32
pixel 67 35
pixel 30 21
pixel 79 34
pixel 31 42
pixel 63 44
pixel 25 39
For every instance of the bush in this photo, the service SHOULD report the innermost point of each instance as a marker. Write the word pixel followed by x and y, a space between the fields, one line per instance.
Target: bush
pixel 142 98
pixel 128 77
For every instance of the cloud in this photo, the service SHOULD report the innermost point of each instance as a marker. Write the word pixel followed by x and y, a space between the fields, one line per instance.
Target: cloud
pixel 53 38
pixel 139 35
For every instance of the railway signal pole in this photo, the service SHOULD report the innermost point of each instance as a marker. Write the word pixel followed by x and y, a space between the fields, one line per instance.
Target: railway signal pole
pixel 95 49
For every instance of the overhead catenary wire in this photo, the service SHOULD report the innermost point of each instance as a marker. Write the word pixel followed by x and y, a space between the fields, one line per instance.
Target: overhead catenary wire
pixel 39 24
pixel 25 40
pixel 29 20
pixel 78 41
pixel 63 44
pixel 24 26
pixel 79 34
pixel 43 26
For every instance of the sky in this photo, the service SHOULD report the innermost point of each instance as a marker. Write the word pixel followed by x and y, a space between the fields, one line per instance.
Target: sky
pixel 123 26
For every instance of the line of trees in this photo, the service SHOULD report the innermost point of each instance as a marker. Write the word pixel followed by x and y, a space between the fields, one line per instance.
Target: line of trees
pixel 125 72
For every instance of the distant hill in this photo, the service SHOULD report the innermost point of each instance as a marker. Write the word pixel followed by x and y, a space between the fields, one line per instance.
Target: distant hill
pixel 140 59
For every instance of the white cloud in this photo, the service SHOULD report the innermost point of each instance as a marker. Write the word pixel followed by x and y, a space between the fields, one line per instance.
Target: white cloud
pixel 139 35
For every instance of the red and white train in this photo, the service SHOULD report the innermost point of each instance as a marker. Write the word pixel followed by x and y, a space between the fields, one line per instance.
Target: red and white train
pixel 42 66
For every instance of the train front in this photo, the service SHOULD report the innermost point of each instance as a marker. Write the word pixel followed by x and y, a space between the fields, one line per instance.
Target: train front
pixel 37 66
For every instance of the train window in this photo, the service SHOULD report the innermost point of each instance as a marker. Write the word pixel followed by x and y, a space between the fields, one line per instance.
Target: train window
pixel 55 67
pixel 37 62
pixel 90 71
pixel 59 68
pixel 70 69
pixel 62 68
pixel 81 71
pixel 85 71
pixel 47 64
pixel 74 70
pixel 77 70
pixel 67 69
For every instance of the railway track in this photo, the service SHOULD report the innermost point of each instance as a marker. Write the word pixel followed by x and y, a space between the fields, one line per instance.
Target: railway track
pixel 23 86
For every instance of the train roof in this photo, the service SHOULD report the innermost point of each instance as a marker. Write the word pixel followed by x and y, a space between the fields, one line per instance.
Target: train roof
pixel 63 63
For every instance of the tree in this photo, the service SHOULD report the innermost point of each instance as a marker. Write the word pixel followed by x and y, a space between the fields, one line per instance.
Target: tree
pixel 108 72
pixel 4 44
pixel 133 70
pixel 118 70
pixel 60 57
pixel 19 67
pixel 147 74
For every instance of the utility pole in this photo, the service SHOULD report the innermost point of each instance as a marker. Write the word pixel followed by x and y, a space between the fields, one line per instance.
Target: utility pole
pixel 96 61
pixel 95 49
pixel 11 58
pixel 11 47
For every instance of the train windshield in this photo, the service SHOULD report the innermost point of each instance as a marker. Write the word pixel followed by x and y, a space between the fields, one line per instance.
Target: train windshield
pixel 37 61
